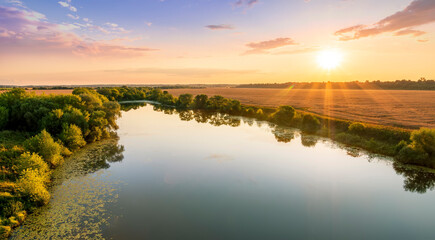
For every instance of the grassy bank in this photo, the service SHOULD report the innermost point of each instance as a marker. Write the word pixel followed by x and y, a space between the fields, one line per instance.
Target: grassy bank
pixel 37 134
pixel 405 145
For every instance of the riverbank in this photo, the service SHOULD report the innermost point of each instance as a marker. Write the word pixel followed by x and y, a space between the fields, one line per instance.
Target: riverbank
pixel 78 194
pixel 37 133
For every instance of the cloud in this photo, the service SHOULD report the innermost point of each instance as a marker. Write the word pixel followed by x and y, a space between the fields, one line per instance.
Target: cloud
pixel 220 27
pixel 28 32
pixel 75 17
pixel 413 32
pixel 17 3
pixel 263 47
pixel 67 4
pixel 417 13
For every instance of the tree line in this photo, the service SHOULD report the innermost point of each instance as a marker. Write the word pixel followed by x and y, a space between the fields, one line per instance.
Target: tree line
pixel 421 84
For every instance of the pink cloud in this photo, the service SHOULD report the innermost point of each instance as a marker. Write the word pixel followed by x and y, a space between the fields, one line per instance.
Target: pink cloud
pixel 264 46
pixel 417 13
pixel 25 31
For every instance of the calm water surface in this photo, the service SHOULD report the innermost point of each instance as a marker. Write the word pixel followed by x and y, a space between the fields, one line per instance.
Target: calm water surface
pixel 233 178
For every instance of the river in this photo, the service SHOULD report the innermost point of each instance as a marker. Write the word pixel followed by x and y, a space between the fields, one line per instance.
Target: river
pixel 194 175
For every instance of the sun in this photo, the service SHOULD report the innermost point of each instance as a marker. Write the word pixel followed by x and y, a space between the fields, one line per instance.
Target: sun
pixel 329 59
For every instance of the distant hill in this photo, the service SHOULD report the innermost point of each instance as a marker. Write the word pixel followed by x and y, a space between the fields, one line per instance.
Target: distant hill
pixel 421 84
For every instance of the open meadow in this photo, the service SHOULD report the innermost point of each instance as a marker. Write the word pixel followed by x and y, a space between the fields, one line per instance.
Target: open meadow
pixel 405 108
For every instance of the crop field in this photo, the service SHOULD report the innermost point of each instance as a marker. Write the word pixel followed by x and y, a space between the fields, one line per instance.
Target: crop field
pixel 403 108
pixel 54 91
pixel 48 92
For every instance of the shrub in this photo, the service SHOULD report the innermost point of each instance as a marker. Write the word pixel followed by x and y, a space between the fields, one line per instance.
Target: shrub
pixel 284 115
pixel 72 137
pixel 420 151
pixel 31 161
pixel 5 231
pixel 32 186
pixel 250 112
pixel 411 154
pixel 357 128
pixel 400 146
pixel 184 100
pixel 424 138
pixel 310 123
pixel 45 146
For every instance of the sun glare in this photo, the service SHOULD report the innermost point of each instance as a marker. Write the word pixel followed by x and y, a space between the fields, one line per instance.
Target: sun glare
pixel 329 59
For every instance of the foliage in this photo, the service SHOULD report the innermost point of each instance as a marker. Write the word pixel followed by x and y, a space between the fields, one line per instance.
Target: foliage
pixel 421 149
pixel 5 231
pixel 32 186
pixel 57 121
pixel 31 161
pixel 284 115
pixel 72 136
pixel 425 139
pixel 310 123
pixel 200 101
pixel 45 146
pixel 185 100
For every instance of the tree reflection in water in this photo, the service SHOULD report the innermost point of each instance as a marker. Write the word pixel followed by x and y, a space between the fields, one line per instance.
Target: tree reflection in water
pixel 92 158
pixel 416 179
pixel 283 134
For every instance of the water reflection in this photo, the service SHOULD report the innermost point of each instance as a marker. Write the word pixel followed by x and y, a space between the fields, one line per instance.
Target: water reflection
pixel 91 159
pixel 309 140
pixel 283 134
pixel 416 180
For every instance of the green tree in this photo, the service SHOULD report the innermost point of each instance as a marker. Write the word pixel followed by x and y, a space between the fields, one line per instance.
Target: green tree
pixel 200 101
pixel 32 186
pixel 32 161
pixel 46 147
pixel 284 115
pixel 310 123
pixel 424 138
pixel 72 137
pixel 185 100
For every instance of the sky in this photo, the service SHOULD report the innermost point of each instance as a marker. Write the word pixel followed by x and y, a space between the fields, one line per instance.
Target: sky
pixel 52 42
